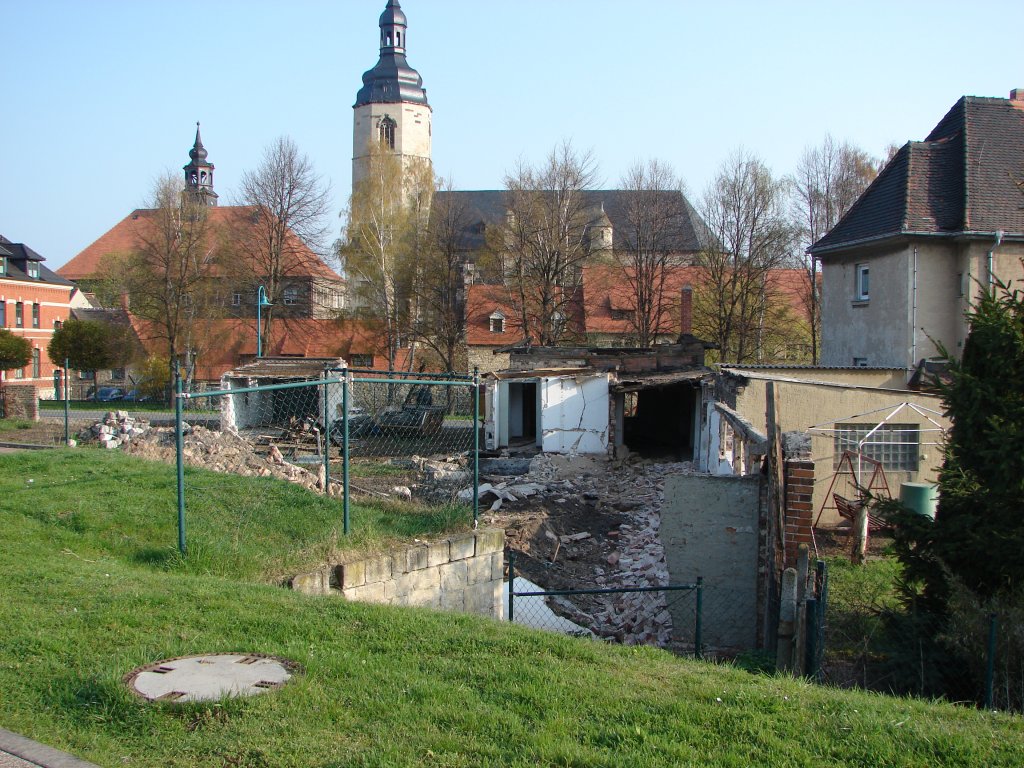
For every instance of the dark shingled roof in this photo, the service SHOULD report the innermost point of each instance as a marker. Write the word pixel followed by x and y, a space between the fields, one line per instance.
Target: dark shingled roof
pixel 486 208
pixel 18 255
pixel 965 177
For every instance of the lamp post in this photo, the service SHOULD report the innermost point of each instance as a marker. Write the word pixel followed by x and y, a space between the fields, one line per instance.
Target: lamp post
pixel 261 302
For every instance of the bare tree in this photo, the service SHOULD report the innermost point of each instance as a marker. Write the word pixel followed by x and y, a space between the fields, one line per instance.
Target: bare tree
pixel 168 276
pixel 735 303
pixel 385 234
pixel 438 286
pixel 542 245
pixel 279 234
pixel 828 180
pixel 647 250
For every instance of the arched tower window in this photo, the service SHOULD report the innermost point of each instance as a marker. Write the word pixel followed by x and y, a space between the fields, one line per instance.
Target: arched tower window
pixel 387 132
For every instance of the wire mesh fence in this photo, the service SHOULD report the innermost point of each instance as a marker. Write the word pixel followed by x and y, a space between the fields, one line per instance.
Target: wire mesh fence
pixel 668 615
pixel 376 435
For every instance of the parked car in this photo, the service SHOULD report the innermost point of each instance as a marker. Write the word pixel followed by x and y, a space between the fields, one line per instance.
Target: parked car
pixel 137 396
pixel 109 394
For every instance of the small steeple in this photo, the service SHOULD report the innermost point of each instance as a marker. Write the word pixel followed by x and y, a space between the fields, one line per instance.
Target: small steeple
pixel 199 173
pixel 392 80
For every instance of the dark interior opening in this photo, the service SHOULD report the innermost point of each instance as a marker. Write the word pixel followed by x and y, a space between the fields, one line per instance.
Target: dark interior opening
pixel 658 422
pixel 522 413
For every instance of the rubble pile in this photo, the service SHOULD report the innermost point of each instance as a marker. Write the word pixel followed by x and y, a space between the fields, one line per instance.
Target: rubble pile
pixel 222 452
pixel 115 429
pixel 629 556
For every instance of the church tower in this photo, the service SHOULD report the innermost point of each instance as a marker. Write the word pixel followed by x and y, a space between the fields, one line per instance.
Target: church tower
pixel 391 107
pixel 199 174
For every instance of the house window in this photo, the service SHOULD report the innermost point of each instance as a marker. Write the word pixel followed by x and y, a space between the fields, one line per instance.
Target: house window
pixel 360 361
pixel 35 315
pixel 862 292
pixel 33 269
pixel 87 375
pixel 497 323
pixel 896 446
pixel 58 324
pixel 3 313
pixel 291 296
pixel 387 132
pixel 19 373
pixel 19 315
pixel 3 265
pixel 35 363
pixel 236 299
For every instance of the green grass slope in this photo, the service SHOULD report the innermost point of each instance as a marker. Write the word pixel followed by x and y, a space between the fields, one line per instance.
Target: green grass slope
pixel 88 593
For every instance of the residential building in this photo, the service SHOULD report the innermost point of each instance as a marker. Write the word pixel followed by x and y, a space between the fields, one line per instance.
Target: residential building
pixel 941 222
pixel 34 301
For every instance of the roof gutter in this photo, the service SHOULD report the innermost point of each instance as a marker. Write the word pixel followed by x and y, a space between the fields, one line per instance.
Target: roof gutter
pixel 892 236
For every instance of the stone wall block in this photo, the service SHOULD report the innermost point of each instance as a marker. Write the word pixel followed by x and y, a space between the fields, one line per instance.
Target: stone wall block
pixel 424 598
pixel 453 600
pixel 462 547
pixel 368 593
pixel 378 569
pixel 350 575
pixel 454 576
pixel 416 558
pixel 480 569
pixel 489 540
pixel 437 553
pixel 315 583
pixel 497 566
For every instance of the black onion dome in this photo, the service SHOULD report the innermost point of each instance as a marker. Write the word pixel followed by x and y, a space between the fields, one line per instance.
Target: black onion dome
pixel 392 80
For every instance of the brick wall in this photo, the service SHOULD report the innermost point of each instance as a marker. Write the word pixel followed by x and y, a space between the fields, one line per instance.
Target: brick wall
pixel 462 573
pixel 20 401
pixel 799 479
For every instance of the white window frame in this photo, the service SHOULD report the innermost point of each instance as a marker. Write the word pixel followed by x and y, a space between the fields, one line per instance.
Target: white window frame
pixel 32 268
pixel 496 322
pixel 236 299
pixel 862 288
pixel 291 296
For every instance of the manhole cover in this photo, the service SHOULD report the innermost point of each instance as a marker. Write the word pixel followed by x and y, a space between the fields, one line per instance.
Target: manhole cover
pixel 214 676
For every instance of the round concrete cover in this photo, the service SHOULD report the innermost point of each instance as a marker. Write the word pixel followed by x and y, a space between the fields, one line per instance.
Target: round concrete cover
pixel 204 678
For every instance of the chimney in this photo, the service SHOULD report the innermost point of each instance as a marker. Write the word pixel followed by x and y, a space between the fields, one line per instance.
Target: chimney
pixel 686 309
pixel 1017 95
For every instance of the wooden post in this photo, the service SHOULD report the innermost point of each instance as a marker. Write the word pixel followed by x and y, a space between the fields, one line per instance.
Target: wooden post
pixel 800 626
pixel 860 535
pixel 787 613
pixel 776 505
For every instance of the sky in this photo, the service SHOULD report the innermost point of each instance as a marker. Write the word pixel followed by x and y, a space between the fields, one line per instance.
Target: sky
pixel 101 97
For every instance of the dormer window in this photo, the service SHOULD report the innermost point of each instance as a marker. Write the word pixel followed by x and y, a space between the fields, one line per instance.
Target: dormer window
pixel 291 296
pixel 32 268
pixel 3 265
pixel 497 322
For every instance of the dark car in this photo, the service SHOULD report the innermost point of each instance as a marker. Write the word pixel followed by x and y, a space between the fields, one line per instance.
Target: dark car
pixel 136 396
pixel 109 394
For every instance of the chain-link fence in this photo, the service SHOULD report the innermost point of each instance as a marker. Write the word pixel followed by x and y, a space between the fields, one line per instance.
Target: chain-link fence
pixel 668 615
pixel 876 640
pixel 347 435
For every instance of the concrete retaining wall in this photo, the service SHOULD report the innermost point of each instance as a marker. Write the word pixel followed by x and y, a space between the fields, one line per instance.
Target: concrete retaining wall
pixel 462 573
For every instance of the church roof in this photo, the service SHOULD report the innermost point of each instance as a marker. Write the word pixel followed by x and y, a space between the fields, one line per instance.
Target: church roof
pixel 964 177
pixel 124 236
pixel 487 207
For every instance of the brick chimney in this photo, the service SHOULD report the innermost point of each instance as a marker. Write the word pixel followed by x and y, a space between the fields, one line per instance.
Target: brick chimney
pixel 686 309
pixel 1017 95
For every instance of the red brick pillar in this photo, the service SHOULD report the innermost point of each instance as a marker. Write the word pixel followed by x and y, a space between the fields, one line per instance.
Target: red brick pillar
pixel 686 309
pixel 799 512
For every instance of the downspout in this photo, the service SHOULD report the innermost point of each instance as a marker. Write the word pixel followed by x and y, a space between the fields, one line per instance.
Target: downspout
pixel 991 258
pixel 913 316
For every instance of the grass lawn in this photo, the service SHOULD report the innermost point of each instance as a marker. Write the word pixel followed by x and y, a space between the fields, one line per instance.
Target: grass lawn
pixel 91 590
pixel 14 425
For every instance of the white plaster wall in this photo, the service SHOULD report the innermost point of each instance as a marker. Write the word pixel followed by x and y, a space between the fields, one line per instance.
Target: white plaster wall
pixel 574 414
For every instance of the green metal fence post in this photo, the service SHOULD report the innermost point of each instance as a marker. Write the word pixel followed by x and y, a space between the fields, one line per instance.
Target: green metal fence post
pixel 812 658
pixel 990 662
pixel 476 448
pixel 698 650
pixel 179 440
pixel 344 448
pixel 327 442
pixel 511 585
pixel 67 404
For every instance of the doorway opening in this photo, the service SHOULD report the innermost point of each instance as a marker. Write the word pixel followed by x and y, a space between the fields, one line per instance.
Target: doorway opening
pixel 658 422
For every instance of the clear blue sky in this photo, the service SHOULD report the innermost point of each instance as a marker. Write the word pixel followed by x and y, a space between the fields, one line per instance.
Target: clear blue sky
pixel 100 97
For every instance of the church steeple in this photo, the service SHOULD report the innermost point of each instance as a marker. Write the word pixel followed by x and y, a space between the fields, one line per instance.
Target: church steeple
pixel 199 173
pixel 391 108
pixel 392 80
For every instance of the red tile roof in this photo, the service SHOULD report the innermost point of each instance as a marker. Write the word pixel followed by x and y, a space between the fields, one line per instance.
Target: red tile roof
pixel 123 237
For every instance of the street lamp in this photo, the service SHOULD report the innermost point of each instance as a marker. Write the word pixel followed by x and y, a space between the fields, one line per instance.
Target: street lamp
pixel 261 302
